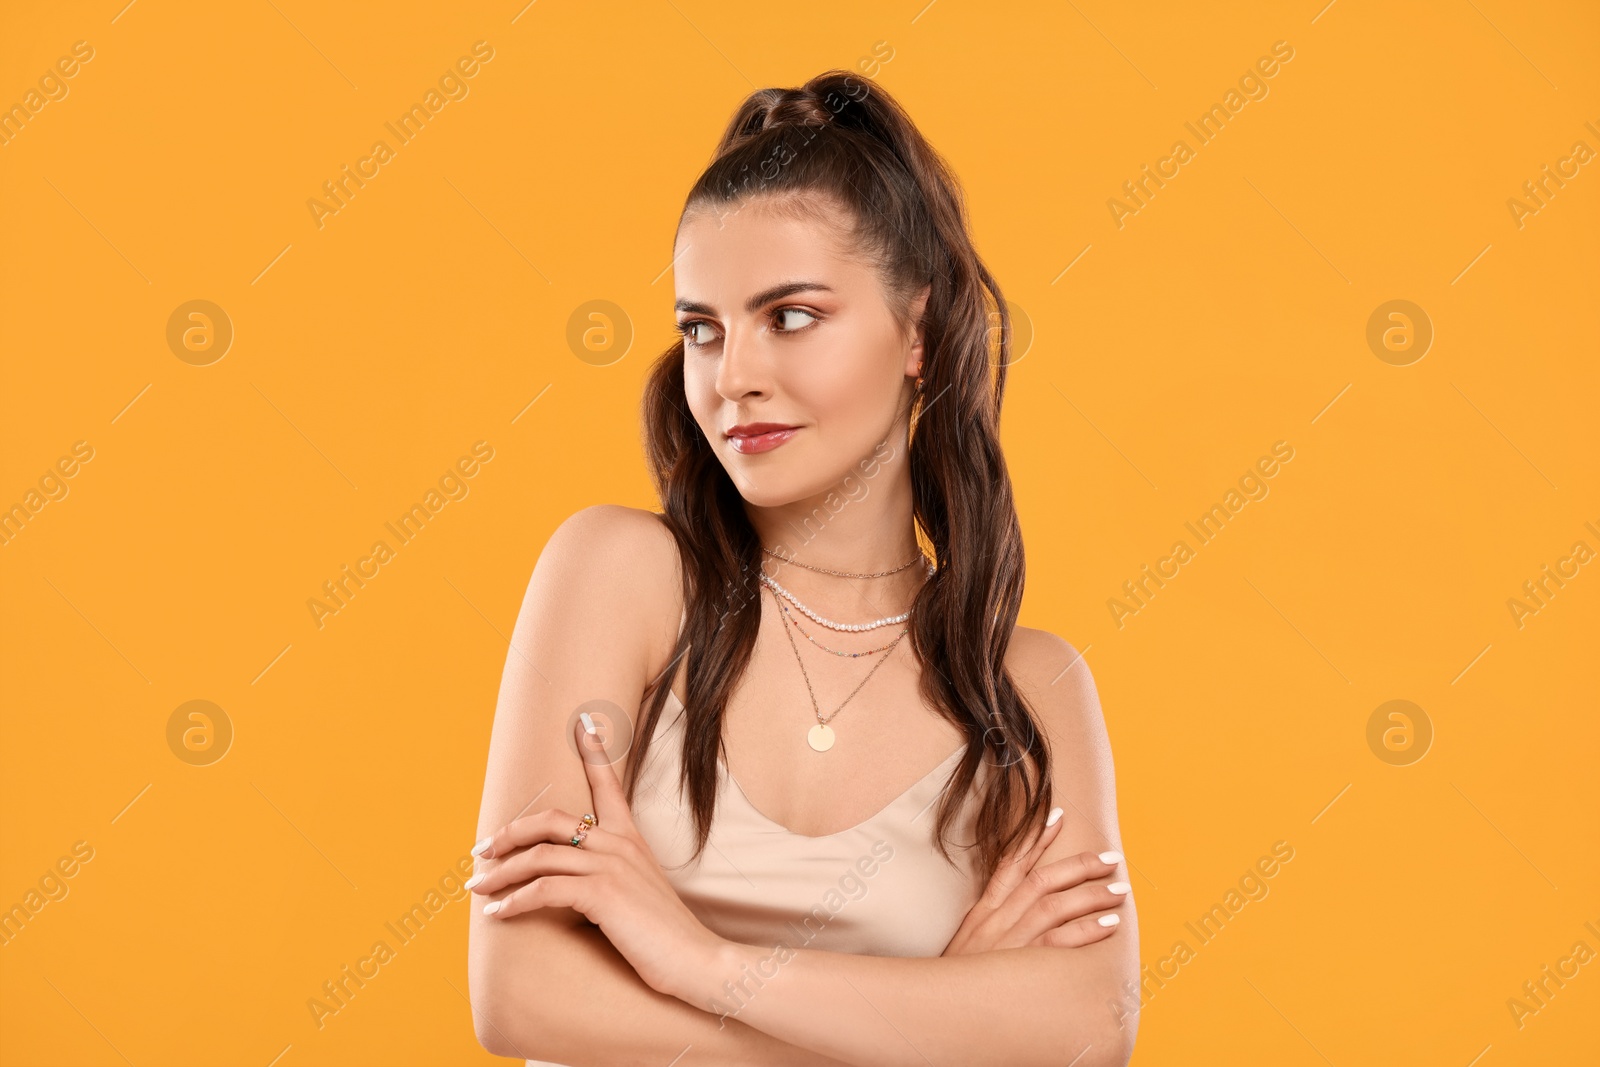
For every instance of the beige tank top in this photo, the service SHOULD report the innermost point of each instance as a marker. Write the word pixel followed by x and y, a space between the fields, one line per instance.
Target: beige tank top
pixel 880 888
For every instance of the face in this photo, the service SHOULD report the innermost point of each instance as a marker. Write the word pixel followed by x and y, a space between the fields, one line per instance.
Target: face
pixel 784 326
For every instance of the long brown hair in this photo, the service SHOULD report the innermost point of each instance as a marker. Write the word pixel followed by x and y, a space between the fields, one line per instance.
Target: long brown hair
pixel 843 140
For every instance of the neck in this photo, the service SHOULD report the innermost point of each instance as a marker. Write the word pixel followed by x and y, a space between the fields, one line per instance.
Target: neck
pixel 863 525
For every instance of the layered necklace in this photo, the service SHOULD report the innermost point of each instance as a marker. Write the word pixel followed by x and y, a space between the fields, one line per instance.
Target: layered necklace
pixel 821 737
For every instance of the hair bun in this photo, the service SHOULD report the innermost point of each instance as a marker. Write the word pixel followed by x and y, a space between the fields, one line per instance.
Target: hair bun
pixel 797 107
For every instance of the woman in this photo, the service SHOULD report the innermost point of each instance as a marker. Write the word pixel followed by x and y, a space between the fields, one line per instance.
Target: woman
pixel 824 611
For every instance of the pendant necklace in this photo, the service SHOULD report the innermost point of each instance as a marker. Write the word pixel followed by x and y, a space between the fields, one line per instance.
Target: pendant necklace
pixel 820 736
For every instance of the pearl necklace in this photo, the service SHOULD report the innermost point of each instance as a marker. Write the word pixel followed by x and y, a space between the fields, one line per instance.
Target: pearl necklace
pixel 829 623
pixel 784 608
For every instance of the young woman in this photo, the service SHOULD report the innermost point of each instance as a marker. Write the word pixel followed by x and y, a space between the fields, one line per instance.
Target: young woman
pixel 775 777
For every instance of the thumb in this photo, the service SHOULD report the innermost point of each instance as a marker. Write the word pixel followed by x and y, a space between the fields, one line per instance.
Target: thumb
pixel 600 766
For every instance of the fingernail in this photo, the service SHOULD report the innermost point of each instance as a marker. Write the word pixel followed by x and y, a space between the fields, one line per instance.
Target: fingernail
pixel 475 879
pixel 588 723
pixel 1114 887
pixel 1055 813
pixel 1108 920
pixel 483 846
pixel 1110 857
pixel 491 908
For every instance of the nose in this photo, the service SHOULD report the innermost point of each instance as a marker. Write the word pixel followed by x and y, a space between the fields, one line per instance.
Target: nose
pixel 743 369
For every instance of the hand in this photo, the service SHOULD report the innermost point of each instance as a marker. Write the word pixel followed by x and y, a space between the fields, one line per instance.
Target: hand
pixel 1025 905
pixel 613 879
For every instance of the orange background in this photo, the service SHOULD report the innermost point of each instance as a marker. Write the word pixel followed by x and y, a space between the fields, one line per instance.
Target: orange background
pixel 370 354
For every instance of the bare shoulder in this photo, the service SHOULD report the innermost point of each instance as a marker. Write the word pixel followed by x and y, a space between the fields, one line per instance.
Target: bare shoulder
pixel 614 549
pixel 1051 672
pixel 633 540
pixel 1056 681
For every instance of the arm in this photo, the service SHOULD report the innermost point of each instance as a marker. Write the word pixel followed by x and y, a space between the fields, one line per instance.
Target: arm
pixel 601 607
pixel 1029 1005
pixel 559 992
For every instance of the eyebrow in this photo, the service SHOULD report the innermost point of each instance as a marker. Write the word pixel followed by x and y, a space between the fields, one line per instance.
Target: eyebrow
pixel 760 300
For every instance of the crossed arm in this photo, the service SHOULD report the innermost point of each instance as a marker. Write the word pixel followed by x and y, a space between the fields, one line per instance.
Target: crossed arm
pixel 545 985
pixel 568 997
pixel 1010 1006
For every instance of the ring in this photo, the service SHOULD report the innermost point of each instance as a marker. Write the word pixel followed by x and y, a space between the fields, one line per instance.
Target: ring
pixel 583 830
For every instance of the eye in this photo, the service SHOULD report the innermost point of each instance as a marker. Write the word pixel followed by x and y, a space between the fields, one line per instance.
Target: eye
pixel 781 312
pixel 687 330
pixel 691 339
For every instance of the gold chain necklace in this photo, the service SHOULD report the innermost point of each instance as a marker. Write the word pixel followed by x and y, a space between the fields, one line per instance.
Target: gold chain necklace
pixel 845 574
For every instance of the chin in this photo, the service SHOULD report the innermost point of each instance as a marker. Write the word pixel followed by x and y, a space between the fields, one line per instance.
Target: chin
pixel 766 489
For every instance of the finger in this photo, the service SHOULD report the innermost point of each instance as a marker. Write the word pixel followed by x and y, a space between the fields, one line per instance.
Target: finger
pixel 1071 870
pixel 1066 906
pixel 1013 868
pixel 552 891
pixel 1037 884
pixel 610 800
pixel 546 857
pixel 1080 932
pixel 551 824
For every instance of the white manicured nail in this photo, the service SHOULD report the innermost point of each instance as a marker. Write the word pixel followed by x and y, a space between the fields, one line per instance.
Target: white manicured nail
pixel 588 723
pixel 491 908
pixel 1114 887
pixel 1055 813
pixel 482 846
pixel 1108 920
pixel 475 879
pixel 1110 857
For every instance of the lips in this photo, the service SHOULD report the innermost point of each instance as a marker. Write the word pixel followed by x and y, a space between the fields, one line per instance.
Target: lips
pixel 751 438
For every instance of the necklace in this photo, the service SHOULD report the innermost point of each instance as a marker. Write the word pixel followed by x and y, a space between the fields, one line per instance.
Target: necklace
pixel 844 574
pixel 772 584
pixel 786 614
pixel 820 736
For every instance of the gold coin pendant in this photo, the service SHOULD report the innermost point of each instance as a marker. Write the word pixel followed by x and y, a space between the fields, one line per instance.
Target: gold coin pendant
pixel 820 737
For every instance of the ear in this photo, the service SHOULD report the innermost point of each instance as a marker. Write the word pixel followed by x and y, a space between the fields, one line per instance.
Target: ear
pixel 915 352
